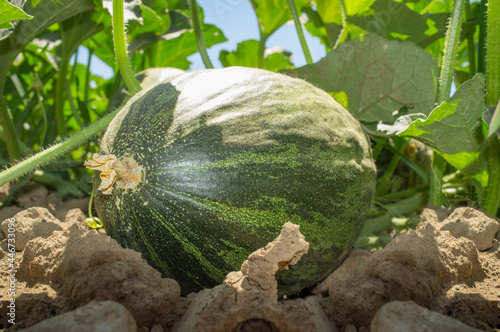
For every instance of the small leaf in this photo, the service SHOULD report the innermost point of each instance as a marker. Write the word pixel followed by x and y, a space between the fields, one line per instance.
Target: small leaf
pixel 380 77
pixel 492 118
pixel 153 20
pixel 9 13
pixel 316 27
pixel 454 129
pixel 401 124
pixel 272 14
pixel 246 55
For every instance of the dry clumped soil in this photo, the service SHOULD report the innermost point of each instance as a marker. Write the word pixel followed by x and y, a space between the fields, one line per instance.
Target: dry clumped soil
pixel 442 276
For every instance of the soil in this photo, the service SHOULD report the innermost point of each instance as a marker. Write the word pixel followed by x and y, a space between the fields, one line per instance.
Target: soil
pixel 444 275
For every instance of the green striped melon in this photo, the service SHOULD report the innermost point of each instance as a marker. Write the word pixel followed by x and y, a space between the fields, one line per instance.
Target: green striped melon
pixel 225 158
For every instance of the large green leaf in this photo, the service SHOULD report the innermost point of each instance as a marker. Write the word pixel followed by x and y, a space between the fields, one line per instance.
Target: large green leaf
pixel 46 13
pixel 175 51
pixel 246 55
pixel 9 13
pixel 380 77
pixel 177 43
pixel 454 129
pixel 394 20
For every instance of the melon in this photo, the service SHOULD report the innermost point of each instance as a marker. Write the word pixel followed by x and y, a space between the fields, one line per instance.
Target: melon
pixel 201 170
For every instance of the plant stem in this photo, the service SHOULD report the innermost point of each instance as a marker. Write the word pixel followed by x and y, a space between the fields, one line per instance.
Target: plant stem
pixel 492 197
pixel 493 53
pixel 481 52
pixel 450 51
pixel 435 181
pixel 198 33
pixel 9 130
pixel 470 43
pixel 300 33
pixel 54 151
pixel 121 48
pixel 384 181
pixel 59 97
pixel 262 49
pixel 447 69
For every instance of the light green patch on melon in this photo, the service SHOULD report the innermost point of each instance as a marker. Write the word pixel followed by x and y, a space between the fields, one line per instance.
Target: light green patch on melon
pixel 187 246
pixel 235 256
pixel 264 223
pixel 327 232
pixel 275 203
pixel 284 154
pixel 152 252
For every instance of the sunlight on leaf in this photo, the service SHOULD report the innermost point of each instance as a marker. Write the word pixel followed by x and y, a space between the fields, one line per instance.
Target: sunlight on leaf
pixel 9 13
pixel 271 14
pixel 246 55
pixel 454 129
pixel 394 20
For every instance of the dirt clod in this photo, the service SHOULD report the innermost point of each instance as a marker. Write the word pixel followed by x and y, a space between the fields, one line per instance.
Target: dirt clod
pixel 408 316
pixel 34 222
pixel 87 265
pixel 95 316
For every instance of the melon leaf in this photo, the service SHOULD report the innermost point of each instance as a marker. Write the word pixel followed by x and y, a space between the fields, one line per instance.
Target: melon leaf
pixel 9 13
pixel 247 53
pixel 454 129
pixel 178 42
pixel 492 119
pixel 380 77
pixel 394 20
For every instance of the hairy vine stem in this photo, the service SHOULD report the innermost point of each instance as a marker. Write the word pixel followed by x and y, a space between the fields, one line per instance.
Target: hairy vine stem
pixel 121 48
pixel 59 97
pixel 54 151
pixel 450 51
pixel 446 77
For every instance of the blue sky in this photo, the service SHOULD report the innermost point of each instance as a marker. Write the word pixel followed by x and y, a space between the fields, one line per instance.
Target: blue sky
pixel 238 22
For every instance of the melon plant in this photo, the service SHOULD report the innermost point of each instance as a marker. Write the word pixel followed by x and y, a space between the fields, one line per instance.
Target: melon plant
pixel 205 168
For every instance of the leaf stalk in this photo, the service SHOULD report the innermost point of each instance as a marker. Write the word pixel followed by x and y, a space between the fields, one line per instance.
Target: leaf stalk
pixel 452 40
pixel 198 33
pixel 300 33
pixel 54 151
pixel 121 48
